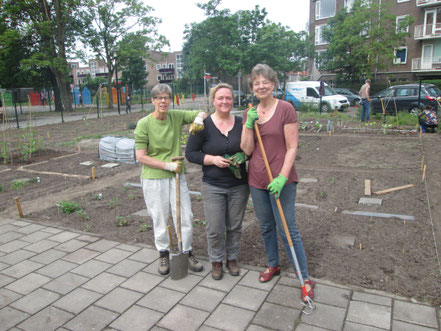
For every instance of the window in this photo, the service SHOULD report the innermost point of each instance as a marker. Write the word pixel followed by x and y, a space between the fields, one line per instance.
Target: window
pixel 158 66
pixel 348 5
pixel 310 92
pixel 324 9
pixel 171 65
pixel 164 66
pixel 158 78
pixel 398 1
pixel 318 61
pixel 365 29
pixel 400 55
pixel 400 24
pixel 319 40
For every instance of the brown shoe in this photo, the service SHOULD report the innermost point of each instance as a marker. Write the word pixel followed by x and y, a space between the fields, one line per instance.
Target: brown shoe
pixel 193 263
pixel 233 268
pixel 217 272
pixel 164 262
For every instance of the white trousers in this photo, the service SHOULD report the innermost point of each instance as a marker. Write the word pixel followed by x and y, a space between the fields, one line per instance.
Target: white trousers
pixel 160 197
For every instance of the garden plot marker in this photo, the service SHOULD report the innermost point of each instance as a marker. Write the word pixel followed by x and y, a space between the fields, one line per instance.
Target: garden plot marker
pixel 367 187
pixel 93 173
pixel 17 203
pixel 393 189
pixel 424 173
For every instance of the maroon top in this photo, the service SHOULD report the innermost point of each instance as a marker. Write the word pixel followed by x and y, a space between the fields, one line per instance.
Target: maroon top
pixel 273 139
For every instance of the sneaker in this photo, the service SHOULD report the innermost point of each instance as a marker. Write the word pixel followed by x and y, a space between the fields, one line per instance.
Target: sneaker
pixel 233 268
pixel 217 272
pixel 164 262
pixel 193 263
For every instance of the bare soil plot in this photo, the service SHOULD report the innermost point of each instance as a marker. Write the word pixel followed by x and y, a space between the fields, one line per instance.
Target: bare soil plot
pixel 389 254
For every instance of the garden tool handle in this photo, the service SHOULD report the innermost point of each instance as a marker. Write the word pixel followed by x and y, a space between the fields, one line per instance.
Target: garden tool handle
pixel 178 204
pixel 270 176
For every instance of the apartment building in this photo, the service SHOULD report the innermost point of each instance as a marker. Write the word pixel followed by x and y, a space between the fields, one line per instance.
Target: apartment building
pixel 163 67
pixel 418 57
pixel 96 68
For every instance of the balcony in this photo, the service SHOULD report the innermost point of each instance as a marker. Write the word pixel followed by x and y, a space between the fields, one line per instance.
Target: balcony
pixel 165 81
pixel 167 70
pixel 427 3
pixel 430 64
pixel 427 31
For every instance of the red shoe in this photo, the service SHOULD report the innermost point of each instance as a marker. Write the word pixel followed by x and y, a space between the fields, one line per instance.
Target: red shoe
pixel 268 274
pixel 310 293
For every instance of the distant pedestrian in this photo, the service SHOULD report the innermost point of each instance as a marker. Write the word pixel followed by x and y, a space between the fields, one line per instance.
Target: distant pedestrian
pixel 43 98
pixel 128 104
pixel 428 119
pixel 365 99
pixel 80 100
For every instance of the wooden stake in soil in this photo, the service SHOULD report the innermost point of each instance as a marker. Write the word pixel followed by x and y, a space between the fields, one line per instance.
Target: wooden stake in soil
pixel 17 202
pixel 367 187
pixel 48 135
pixel 393 189
pixel 79 148
pixel 424 174
pixel 93 173
pixel 422 163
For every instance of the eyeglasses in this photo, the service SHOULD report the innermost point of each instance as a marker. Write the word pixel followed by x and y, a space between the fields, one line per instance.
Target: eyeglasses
pixel 162 98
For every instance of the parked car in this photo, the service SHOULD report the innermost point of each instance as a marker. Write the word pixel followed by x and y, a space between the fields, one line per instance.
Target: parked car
pixel 253 99
pixel 353 97
pixel 236 97
pixel 405 98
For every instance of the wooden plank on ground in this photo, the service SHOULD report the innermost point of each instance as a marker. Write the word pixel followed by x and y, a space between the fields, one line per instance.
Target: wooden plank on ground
pixel 393 189
pixel 367 187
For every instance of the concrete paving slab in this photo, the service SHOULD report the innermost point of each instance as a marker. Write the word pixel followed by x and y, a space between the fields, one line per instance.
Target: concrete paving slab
pixel 50 318
pixel 19 223
pixel 184 285
pixel 12 246
pixel 16 257
pixel 183 318
pixel 9 236
pixel 36 236
pixel 7 296
pixel 77 300
pixel 276 317
pixel 351 326
pixel 66 283
pixel 145 255
pixel 35 301
pixel 113 256
pixel 369 314
pixel 64 236
pixel 93 318
pixel 307 180
pixel 51 230
pixel 325 316
pixel 332 296
pixel 104 283
pixel 251 279
pixel 415 314
pixel 370 201
pixel 372 298
pixel 203 298
pixel 110 165
pixel 30 228
pixel 71 245
pixel 128 248
pixel 28 283
pixel 87 238
pixel 48 256
pixel 245 297
pixel 81 256
pixel 225 285
pixel 137 319
pixel 4 280
pixel 10 317
pixel 307 327
pixel 161 299
pixel 9 227
pixel 91 268
pixel 285 296
pixel 102 245
pixel 304 205
pixel 126 268
pixel 41 246
pixel 227 317
pixel 86 163
pixel 3 266
pixel 56 268
pixel 119 299
pixel 343 241
pixel 22 268
pixel 403 326
pixel 380 215
pixel 142 282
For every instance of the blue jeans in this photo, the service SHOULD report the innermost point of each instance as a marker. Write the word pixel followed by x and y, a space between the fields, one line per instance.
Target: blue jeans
pixel 269 219
pixel 224 208
pixel 365 109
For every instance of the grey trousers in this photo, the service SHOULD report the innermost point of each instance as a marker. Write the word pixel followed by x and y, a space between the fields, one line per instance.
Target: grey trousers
pixel 224 211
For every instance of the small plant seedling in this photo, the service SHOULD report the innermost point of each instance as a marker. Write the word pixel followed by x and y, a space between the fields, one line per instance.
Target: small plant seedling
pixel 98 196
pixel 113 203
pixel 199 197
pixel 332 181
pixel 132 195
pixel 123 220
pixel 1 188
pixel 68 207
pixel 144 227
pixel 82 214
pixel 200 222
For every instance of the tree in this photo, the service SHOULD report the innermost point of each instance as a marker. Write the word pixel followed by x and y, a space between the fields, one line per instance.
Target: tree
pixel 49 25
pixel 134 73
pixel 362 41
pixel 109 22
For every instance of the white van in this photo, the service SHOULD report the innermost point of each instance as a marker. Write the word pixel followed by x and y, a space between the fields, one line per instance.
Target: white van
pixel 307 92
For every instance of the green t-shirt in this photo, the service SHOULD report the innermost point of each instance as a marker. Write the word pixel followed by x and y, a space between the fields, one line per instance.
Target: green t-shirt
pixel 162 139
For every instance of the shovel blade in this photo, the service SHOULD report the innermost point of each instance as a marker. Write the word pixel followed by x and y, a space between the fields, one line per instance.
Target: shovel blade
pixel 179 266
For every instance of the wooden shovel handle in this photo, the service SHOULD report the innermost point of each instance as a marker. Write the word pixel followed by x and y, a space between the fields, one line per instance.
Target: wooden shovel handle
pixel 177 158
pixel 178 204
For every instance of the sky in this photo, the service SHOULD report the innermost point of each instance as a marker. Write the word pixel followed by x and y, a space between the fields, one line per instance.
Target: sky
pixel 175 14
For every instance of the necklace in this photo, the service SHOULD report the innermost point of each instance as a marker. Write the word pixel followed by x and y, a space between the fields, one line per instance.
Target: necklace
pixel 269 110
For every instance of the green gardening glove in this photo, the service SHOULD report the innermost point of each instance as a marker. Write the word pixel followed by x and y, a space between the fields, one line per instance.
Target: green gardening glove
pixel 238 158
pixel 251 118
pixel 235 169
pixel 276 186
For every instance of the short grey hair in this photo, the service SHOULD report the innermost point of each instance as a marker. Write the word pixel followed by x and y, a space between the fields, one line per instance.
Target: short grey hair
pixel 264 70
pixel 368 81
pixel 160 89
pixel 214 90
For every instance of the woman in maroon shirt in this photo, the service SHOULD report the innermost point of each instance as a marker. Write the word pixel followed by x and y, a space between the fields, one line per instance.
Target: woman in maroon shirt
pixel 278 126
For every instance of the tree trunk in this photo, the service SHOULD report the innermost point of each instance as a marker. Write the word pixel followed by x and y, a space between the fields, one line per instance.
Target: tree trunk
pixel 57 96
pixel 109 86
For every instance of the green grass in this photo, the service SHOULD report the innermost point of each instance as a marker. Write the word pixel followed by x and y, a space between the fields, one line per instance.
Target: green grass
pixel 19 183
pixel 403 118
